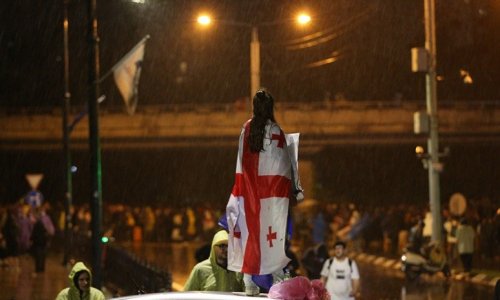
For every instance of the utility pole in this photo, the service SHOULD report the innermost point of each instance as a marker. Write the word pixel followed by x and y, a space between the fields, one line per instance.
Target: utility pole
pixel 68 195
pixel 254 65
pixel 434 167
pixel 95 151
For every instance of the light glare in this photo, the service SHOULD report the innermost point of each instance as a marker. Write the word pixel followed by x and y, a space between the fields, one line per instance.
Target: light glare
pixel 204 20
pixel 419 150
pixel 303 18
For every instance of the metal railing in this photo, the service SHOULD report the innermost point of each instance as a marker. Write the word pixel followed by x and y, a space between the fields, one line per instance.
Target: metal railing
pixel 133 275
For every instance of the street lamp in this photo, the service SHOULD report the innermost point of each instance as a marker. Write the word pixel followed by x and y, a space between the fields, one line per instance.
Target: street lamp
pixel 68 195
pixel 430 46
pixel 94 141
pixel 205 20
pixel 303 18
pixel 254 62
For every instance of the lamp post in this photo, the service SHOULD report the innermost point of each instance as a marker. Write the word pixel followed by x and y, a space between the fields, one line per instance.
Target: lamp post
pixel 424 60
pixel 254 63
pixel 94 144
pixel 68 195
pixel 205 20
pixel 431 100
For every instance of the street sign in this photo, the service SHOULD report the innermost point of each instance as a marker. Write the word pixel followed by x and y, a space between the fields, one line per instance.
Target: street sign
pixel 34 198
pixel 457 204
pixel 34 179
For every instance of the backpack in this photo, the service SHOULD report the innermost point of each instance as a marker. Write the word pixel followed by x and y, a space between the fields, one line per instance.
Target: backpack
pixel 330 261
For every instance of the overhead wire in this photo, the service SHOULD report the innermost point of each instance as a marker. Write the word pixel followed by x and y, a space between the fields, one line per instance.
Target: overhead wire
pixel 331 33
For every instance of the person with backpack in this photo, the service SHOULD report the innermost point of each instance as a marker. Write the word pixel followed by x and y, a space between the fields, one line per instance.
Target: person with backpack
pixel 340 275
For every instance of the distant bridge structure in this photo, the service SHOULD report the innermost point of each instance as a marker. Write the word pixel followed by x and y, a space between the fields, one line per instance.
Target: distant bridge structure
pixel 218 125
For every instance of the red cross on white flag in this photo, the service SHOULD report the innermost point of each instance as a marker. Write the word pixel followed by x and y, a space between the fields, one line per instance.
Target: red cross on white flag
pixel 271 236
pixel 258 206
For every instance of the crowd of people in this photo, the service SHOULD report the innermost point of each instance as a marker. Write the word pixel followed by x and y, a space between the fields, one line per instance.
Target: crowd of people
pixel 382 230
pixel 25 229
pixel 391 229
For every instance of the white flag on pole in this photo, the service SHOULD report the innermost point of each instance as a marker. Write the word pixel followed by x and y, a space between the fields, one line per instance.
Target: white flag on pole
pixel 127 73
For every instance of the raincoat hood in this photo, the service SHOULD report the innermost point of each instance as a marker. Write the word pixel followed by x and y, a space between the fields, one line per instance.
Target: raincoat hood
pixel 73 285
pixel 209 276
pixel 219 238
pixel 73 293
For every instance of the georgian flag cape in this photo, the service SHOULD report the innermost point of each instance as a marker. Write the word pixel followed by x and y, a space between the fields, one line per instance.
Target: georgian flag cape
pixel 258 206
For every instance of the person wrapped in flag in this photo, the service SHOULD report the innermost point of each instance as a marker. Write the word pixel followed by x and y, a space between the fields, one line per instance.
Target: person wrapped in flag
pixel 257 209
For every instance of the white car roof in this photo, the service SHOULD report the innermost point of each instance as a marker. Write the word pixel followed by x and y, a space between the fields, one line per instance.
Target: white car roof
pixel 191 296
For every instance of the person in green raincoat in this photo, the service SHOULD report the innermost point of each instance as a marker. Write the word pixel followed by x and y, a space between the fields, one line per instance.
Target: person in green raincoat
pixel 80 279
pixel 212 274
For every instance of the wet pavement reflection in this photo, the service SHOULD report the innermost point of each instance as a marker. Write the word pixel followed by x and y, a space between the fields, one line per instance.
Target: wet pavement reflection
pixel 381 283
pixel 177 258
pixel 377 282
pixel 20 282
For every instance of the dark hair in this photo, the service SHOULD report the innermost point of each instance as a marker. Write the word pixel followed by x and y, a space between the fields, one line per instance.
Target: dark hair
pixel 263 110
pixel 321 250
pixel 340 243
pixel 76 277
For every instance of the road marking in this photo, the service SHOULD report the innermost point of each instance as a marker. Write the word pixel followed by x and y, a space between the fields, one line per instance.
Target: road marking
pixel 370 258
pixel 379 261
pixel 389 263
pixel 478 277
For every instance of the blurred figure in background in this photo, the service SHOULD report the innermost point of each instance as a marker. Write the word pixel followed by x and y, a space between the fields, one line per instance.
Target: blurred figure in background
pixel 465 244
pixel 43 231
pixel 313 260
pixel 340 275
pixel 10 232
pixel 416 239
pixel 450 227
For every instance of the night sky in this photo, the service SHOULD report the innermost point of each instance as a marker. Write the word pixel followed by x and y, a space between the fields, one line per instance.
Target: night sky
pixel 184 63
pixel 371 40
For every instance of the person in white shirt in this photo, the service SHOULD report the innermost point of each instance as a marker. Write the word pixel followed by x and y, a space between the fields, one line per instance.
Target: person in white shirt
pixel 340 275
pixel 465 244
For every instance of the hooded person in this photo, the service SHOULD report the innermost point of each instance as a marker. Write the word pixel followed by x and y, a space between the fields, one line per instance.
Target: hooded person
pixel 212 274
pixel 80 279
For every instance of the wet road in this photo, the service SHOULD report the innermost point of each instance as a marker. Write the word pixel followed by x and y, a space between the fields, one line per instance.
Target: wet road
pixel 381 283
pixel 377 282
pixel 177 258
